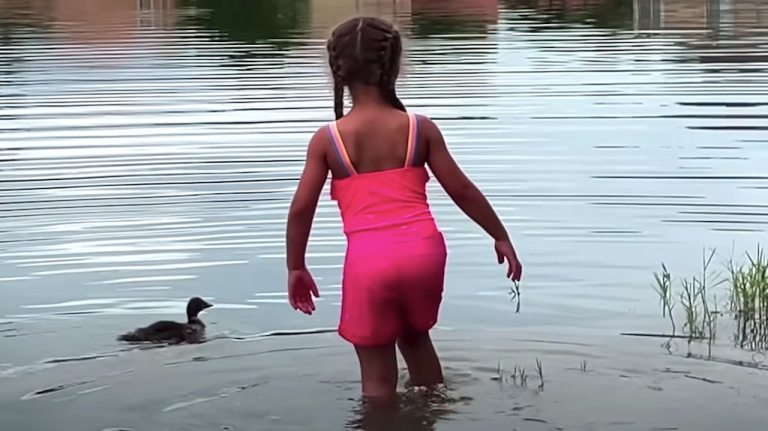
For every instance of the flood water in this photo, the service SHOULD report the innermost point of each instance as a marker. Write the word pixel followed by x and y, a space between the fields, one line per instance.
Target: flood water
pixel 149 150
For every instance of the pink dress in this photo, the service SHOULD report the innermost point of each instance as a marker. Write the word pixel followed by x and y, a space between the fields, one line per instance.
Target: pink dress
pixel 395 260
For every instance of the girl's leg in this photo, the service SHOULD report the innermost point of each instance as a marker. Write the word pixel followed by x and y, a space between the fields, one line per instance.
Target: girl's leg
pixel 423 364
pixel 378 371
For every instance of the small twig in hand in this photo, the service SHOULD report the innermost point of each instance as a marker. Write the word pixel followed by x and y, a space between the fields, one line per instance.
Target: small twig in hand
pixel 514 294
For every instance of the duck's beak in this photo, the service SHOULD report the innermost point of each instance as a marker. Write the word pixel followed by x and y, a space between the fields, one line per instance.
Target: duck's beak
pixel 207 305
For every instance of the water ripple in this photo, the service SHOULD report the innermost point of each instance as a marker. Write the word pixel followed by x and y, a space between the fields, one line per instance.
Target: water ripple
pixel 149 151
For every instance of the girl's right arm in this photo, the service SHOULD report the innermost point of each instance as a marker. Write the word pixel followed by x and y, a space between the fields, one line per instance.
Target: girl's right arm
pixel 467 196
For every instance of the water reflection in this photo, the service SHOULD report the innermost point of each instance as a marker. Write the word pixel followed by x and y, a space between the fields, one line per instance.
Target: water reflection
pixel 716 15
pixel 414 410
pixel 453 17
pixel 726 32
pixel 170 175
pixel 608 14
pixel 277 22
pixel 16 17
pixel 90 20
pixel 327 14
pixel 726 29
pixel 646 15
pixel 157 13
pixel 24 13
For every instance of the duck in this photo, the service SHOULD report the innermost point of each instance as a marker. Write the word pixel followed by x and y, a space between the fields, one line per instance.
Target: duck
pixel 170 332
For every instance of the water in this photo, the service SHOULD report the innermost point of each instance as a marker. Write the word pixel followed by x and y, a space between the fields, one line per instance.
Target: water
pixel 149 150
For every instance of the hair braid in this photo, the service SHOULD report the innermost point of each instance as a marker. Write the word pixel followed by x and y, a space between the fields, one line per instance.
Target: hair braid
pixel 338 82
pixel 338 98
pixel 365 51
pixel 390 68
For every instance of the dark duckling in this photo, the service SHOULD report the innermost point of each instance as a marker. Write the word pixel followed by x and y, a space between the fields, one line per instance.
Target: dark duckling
pixel 166 331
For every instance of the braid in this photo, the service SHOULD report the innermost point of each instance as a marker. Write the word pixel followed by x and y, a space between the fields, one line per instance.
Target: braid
pixel 338 98
pixel 359 41
pixel 391 96
pixel 338 82
pixel 390 66
pixel 365 51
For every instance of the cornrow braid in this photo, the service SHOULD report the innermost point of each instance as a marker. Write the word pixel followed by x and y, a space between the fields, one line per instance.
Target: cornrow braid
pixel 338 99
pixel 367 51
pixel 391 68
pixel 338 84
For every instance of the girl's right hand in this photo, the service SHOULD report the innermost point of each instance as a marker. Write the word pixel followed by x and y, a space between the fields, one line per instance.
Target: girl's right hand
pixel 505 251
pixel 301 289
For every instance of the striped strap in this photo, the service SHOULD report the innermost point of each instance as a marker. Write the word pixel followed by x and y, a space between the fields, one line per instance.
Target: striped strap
pixel 341 150
pixel 413 140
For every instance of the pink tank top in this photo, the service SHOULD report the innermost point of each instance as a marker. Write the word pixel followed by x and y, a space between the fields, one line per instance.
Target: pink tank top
pixel 392 202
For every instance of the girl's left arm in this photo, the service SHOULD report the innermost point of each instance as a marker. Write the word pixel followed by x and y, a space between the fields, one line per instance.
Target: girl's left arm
pixel 304 203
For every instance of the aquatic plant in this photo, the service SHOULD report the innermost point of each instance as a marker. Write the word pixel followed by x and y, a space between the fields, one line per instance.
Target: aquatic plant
pixel 709 319
pixel 540 372
pixel 689 298
pixel 748 285
pixel 663 287
pixel 700 321
pixel 519 375
pixel 498 377
pixel 749 300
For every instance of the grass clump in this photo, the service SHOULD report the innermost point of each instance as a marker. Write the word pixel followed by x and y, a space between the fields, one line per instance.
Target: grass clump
pixel 700 320
pixel 749 300
pixel 519 375
pixel 748 287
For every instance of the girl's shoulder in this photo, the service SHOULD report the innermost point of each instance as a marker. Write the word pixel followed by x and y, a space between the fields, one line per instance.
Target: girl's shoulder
pixel 323 135
pixel 321 139
pixel 427 126
pixel 422 118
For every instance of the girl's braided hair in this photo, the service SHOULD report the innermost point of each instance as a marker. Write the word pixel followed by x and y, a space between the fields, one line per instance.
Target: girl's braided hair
pixel 366 51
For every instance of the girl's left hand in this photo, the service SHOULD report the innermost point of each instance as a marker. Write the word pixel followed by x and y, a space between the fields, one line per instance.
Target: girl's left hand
pixel 301 289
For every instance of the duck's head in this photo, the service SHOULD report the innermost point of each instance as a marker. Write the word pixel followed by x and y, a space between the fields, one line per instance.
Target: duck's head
pixel 195 306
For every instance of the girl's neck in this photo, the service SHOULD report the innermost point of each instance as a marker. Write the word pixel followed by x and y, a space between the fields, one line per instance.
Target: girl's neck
pixel 366 96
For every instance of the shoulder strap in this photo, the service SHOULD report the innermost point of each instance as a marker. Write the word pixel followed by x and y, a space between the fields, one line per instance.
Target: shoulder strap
pixel 413 140
pixel 341 150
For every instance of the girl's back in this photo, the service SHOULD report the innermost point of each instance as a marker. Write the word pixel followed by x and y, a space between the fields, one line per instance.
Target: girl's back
pixel 379 178
pixel 376 139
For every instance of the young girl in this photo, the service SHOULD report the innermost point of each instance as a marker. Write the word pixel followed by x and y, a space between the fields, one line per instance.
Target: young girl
pixel 395 260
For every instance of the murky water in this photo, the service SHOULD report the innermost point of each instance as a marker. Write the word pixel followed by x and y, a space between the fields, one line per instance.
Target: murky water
pixel 149 150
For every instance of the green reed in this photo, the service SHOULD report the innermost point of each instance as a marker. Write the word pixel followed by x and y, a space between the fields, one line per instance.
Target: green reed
pixel 748 286
pixel 689 301
pixel 663 287
pixel 749 300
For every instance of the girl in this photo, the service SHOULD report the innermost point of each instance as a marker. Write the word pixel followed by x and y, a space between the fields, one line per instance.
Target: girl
pixel 395 260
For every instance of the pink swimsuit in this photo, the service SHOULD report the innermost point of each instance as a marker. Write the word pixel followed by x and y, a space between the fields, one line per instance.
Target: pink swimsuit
pixel 395 260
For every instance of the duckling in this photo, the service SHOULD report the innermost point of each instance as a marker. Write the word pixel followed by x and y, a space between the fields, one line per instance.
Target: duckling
pixel 165 331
